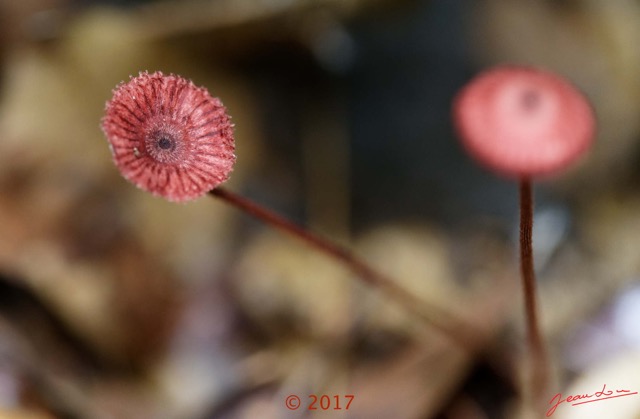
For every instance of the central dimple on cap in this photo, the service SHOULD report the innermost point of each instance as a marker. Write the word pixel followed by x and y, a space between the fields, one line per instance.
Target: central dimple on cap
pixel 165 143
pixel 530 99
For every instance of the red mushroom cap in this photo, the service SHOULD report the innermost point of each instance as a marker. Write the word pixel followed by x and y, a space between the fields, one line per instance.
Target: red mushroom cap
pixel 168 136
pixel 521 121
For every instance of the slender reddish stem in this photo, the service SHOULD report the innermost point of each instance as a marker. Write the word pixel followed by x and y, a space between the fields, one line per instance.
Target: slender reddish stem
pixel 457 330
pixel 539 364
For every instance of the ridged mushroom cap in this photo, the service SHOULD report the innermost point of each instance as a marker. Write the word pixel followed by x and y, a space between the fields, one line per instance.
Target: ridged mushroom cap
pixel 168 136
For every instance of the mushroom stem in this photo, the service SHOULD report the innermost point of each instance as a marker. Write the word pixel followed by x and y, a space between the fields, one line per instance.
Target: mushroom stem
pixel 538 358
pixel 470 337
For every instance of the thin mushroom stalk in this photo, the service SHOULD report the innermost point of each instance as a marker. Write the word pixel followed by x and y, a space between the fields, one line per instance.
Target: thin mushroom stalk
pixel 538 354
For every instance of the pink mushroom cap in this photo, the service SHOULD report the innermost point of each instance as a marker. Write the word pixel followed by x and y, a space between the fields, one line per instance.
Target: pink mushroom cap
pixel 521 121
pixel 169 137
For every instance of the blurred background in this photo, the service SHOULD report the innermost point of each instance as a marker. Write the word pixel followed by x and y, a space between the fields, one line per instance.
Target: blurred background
pixel 116 304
